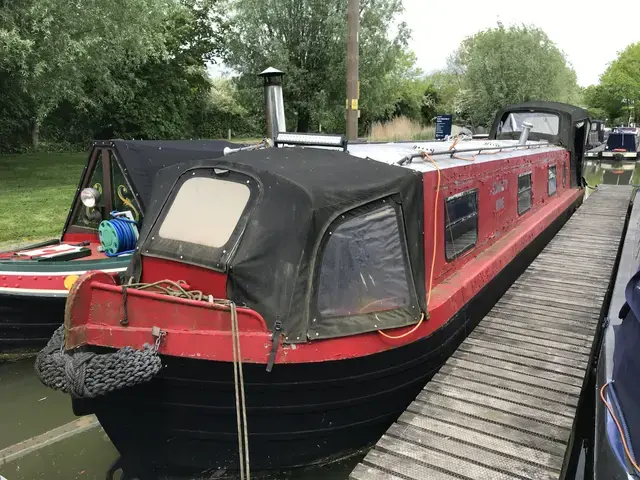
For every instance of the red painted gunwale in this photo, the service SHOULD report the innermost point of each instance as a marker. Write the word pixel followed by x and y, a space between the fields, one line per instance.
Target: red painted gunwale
pixel 95 305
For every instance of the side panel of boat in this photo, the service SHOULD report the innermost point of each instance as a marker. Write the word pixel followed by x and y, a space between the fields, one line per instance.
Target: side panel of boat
pixel 32 299
pixel 607 461
pixel 297 414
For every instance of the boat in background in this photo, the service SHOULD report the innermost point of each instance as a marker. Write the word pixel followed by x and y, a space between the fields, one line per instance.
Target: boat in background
pixel 309 290
pixel 113 194
pixel 621 144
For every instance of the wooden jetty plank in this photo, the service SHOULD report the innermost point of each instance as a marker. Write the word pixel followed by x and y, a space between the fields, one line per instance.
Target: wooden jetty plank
pixel 492 443
pixel 553 329
pixel 514 357
pixel 455 374
pixel 503 405
pixel 476 424
pixel 516 376
pixel 501 394
pixel 532 354
pixel 447 444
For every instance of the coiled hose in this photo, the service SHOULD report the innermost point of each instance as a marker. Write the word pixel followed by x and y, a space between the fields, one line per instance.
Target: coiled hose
pixel 118 235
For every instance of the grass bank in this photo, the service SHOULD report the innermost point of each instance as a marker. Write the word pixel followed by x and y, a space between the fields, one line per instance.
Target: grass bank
pixel 36 191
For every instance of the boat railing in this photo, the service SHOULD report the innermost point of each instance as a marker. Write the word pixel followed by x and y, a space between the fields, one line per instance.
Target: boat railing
pixel 484 150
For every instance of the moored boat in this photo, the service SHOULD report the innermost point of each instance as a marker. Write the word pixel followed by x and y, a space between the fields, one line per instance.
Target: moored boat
pixel 35 279
pixel 308 293
pixel 615 437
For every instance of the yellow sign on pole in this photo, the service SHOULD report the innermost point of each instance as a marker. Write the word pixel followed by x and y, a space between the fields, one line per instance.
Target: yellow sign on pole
pixel 354 104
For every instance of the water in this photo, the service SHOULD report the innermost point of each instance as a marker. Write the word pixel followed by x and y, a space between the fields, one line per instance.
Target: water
pixel 27 408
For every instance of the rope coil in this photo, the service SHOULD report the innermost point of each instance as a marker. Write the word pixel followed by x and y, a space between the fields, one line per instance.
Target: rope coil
pixel 85 374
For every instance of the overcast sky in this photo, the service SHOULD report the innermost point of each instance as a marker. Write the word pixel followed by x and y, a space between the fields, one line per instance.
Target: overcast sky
pixel 590 33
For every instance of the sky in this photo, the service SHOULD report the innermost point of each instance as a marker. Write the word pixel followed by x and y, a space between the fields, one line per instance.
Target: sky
pixel 588 34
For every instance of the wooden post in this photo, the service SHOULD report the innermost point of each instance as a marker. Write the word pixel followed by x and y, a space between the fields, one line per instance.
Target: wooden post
pixel 353 27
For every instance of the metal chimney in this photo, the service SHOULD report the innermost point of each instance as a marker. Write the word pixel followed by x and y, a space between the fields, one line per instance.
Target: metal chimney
pixel 273 103
pixel 524 136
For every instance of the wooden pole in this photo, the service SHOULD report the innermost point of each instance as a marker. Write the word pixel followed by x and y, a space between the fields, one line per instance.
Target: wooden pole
pixel 353 27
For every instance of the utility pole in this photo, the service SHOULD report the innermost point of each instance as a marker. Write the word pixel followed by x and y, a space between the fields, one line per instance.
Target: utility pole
pixel 353 27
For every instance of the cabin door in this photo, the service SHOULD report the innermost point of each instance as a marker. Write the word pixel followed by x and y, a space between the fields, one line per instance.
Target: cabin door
pixel 580 140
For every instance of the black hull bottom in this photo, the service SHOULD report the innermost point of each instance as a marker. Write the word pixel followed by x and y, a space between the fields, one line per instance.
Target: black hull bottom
pixel 298 415
pixel 27 323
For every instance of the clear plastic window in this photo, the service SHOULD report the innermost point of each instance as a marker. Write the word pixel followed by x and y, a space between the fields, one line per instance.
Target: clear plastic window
pixel 220 202
pixel 461 228
pixel 544 123
pixel 552 180
pixel 524 193
pixel 363 266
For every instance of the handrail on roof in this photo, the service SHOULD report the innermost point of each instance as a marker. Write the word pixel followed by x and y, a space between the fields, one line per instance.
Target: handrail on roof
pixel 409 158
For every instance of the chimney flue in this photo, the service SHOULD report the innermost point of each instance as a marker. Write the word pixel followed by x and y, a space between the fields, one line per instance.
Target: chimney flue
pixel 524 136
pixel 273 102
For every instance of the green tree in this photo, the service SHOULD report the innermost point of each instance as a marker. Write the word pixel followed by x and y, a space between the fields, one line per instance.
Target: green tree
pixel 620 83
pixel 505 65
pixel 602 103
pixel 52 48
pixel 307 40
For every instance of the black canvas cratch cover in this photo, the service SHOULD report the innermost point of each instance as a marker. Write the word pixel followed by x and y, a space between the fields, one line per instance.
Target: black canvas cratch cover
pixel 626 364
pixel 141 159
pixel 569 117
pixel 327 243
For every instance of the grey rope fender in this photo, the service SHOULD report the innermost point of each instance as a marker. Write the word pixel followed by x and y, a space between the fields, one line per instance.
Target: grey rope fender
pixel 85 374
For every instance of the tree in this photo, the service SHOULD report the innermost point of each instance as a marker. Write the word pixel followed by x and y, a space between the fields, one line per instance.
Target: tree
pixel 602 103
pixel 54 47
pixel 167 95
pixel 307 40
pixel 620 83
pixel 505 65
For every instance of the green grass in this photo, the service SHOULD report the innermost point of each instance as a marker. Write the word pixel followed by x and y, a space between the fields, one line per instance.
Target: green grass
pixel 36 191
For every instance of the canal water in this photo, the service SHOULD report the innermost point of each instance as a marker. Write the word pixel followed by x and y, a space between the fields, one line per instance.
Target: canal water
pixel 28 409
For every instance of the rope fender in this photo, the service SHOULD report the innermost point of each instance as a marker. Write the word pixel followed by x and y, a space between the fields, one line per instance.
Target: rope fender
pixel 84 374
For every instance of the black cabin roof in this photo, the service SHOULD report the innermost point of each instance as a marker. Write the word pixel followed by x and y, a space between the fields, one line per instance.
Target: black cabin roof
pixel 298 195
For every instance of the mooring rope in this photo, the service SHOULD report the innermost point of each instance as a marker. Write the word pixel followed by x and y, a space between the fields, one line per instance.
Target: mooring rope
pixel 88 374
pixel 241 407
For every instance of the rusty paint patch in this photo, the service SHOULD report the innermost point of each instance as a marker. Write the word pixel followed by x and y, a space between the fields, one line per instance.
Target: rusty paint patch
pixel 500 204
pixel 498 186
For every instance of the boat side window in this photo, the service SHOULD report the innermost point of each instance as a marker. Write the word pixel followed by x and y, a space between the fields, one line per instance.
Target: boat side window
pixel 363 265
pixel 524 192
pixel 552 179
pixel 461 223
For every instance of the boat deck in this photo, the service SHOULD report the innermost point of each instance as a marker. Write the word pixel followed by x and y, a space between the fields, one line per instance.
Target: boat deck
pixel 503 406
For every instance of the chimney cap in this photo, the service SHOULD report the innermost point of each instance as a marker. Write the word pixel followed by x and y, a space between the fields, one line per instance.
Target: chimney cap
pixel 271 72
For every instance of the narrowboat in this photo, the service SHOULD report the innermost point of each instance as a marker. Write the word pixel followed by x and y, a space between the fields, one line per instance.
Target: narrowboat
pixel 113 192
pixel 621 144
pixel 284 305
